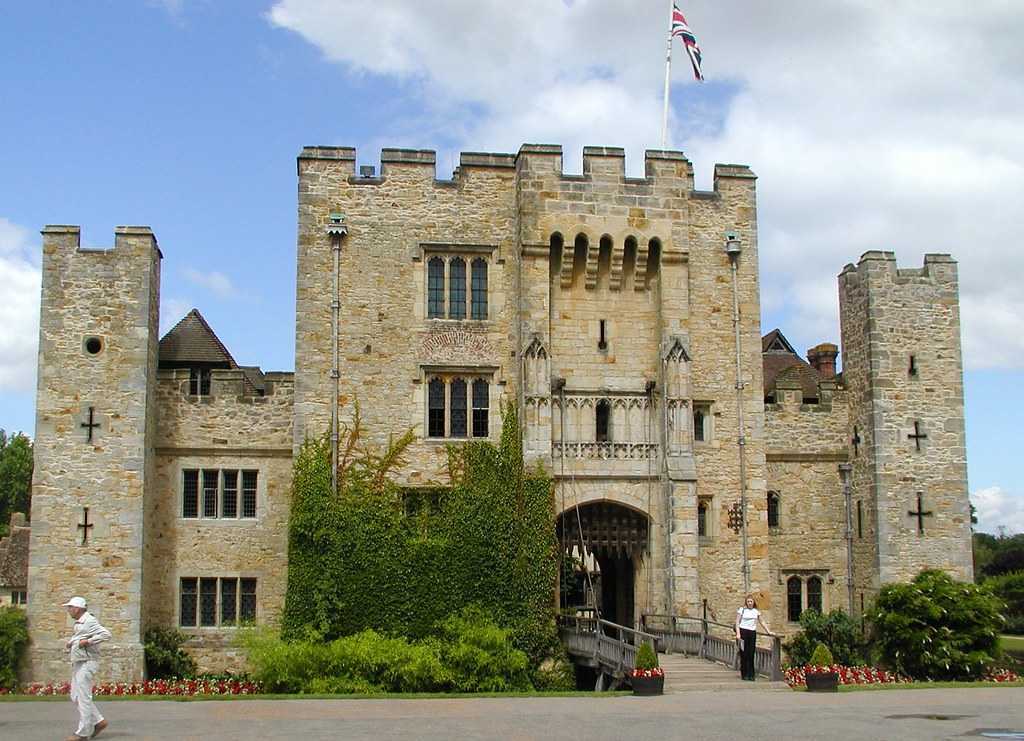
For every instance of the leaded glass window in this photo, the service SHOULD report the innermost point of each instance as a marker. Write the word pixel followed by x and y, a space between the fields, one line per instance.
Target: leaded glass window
pixel 435 414
pixel 773 509
pixel 210 492
pixel 229 497
pixel 190 494
pixel 458 416
pixel 248 493
pixel 457 288
pixel 435 288
pixel 481 407
pixel 794 598
pixel 603 413
pixel 247 607
pixel 814 593
pixel 228 601
pixel 199 381
pixel 207 602
pixel 702 519
pixel 698 425
pixel 479 288
pixel 187 614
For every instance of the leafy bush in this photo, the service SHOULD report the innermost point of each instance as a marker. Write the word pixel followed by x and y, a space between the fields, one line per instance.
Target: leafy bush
pixel 837 630
pixel 821 656
pixel 1010 589
pixel 467 653
pixel 937 628
pixel 646 658
pixel 165 658
pixel 490 542
pixel 13 640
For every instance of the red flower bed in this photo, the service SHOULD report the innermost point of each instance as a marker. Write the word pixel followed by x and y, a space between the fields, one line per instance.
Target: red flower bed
pixel 797 677
pixel 1000 675
pixel 170 687
pixel 648 673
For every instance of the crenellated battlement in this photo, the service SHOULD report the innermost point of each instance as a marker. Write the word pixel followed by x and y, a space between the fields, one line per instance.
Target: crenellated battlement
pixel 69 237
pixel 939 269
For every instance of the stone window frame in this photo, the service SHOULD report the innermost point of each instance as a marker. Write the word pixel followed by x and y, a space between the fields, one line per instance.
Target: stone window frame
pixel 774 494
pixel 804 577
pixel 242 492
pixel 19 597
pixel 710 519
pixel 706 409
pixel 200 382
pixel 469 254
pixel 470 376
pixel 219 623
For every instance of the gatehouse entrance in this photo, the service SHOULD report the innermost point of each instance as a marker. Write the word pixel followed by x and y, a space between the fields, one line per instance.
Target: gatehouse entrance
pixel 607 540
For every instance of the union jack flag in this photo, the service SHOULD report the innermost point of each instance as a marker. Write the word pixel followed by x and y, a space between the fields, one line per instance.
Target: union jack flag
pixel 681 29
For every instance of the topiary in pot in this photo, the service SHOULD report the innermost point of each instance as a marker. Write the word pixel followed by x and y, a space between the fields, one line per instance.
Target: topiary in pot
pixel 647 677
pixel 819 674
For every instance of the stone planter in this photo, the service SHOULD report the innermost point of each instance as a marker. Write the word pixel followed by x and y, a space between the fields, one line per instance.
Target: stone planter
pixel 648 685
pixel 822 681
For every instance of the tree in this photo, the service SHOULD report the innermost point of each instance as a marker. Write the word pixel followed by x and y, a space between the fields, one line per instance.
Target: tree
pixel 15 476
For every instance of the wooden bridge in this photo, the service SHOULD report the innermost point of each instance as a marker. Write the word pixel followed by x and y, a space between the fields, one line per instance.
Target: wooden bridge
pixel 610 649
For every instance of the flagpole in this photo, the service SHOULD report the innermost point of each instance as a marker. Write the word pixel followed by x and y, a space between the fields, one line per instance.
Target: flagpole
pixel 668 75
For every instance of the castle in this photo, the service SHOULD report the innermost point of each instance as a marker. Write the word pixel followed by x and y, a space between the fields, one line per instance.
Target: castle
pixel 694 458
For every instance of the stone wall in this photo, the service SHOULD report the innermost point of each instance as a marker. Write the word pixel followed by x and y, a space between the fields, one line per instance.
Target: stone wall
pixel 888 316
pixel 234 430
pixel 98 351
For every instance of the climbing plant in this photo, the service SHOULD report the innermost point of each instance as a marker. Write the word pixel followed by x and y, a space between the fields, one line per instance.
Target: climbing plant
pixel 372 556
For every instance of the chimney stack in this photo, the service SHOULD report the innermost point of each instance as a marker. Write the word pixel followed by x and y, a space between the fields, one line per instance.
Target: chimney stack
pixel 823 359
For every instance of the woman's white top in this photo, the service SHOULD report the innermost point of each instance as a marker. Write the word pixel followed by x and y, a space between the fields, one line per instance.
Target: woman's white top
pixel 747 617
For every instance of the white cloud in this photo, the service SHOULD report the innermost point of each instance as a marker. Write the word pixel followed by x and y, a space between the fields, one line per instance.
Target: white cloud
pixel 872 125
pixel 217 283
pixel 19 309
pixel 997 508
pixel 171 312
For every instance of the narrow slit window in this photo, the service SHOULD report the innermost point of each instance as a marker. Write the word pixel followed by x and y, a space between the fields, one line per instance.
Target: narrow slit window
pixel 479 288
pixel 702 519
pixel 481 407
pixel 698 425
pixel 794 598
pixel 189 594
pixel 207 602
pixel 602 342
pixel 248 493
pixel 229 497
pixel 773 509
pixel 435 288
pixel 435 414
pixel 458 418
pixel 860 519
pixel 603 413
pixel 457 288
pixel 912 369
pixel 210 493
pixel 190 493
pixel 228 601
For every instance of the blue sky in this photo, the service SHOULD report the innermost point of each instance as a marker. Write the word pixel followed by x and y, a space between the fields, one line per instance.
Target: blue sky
pixel 187 115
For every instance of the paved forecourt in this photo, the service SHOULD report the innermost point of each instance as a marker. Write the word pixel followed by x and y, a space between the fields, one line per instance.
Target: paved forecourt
pixel 722 714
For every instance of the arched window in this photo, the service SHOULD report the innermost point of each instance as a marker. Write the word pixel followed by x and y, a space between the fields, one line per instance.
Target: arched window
pixel 794 598
pixel 702 518
pixel 481 406
pixel 603 413
pixel 698 425
pixel 435 412
pixel 457 288
pixel 479 289
pixel 773 509
pixel 814 593
pixel 458 416
pixel 435 288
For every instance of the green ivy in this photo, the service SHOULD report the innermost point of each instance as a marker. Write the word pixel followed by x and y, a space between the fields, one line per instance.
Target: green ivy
pixel 372 556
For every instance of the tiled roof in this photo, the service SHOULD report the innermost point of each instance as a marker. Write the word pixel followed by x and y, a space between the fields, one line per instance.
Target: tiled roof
pixel 14 557
pixel 192 342
pixel 781 361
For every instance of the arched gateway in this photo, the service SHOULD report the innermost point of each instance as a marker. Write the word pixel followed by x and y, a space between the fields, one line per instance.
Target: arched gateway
pixel 612 538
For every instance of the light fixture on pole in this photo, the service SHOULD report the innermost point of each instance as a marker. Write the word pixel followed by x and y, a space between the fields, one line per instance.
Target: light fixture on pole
pixel 733 249
pixel 337 230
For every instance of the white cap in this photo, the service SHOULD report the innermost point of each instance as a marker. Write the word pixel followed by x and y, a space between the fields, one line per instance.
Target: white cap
pixel 75 602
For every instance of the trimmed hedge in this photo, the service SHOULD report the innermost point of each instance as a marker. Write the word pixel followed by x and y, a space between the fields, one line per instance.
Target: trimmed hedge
pixel 358 560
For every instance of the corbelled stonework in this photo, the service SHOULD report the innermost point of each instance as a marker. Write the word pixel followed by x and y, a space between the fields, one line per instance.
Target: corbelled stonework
pixel 601 305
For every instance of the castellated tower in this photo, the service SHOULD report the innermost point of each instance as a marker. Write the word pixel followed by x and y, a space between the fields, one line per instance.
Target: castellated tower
pixel 93 443
pixel 902 368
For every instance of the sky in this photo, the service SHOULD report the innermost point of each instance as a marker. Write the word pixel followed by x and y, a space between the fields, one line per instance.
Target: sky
pixel 871 125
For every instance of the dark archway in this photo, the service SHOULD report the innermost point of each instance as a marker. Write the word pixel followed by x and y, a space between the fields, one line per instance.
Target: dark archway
pixel 616 537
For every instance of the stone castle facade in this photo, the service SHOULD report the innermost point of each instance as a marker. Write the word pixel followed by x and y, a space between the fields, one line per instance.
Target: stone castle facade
pixel 614 312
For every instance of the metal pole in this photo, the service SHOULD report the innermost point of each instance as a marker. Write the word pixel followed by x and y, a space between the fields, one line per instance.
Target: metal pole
pixel 668 75
pixel 741 439
pixel 845 470
pixel 335 367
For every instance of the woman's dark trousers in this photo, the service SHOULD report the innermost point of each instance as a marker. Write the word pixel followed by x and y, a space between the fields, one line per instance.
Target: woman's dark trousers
pixel 749 638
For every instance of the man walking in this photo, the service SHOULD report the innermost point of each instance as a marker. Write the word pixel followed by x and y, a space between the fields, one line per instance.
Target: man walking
pixel 85 662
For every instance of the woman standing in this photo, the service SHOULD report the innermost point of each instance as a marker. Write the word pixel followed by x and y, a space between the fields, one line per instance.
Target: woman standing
pixel 747 618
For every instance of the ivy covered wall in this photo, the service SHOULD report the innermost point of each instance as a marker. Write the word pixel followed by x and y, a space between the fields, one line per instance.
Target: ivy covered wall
pixel 374 556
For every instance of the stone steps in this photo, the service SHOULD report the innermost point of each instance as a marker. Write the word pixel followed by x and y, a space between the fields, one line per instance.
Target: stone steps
pixel 691 674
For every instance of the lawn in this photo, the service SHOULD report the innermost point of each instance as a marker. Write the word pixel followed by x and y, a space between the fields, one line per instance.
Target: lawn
pixel 1012 643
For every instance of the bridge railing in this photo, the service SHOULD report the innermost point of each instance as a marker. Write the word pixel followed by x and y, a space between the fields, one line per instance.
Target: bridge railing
pixel 711 640
pixel 609 645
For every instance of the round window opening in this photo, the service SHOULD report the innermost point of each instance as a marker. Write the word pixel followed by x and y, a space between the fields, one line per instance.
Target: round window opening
pixel 93 345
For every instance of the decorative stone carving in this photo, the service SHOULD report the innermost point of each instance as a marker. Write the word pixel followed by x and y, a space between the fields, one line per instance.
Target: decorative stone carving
pixel 457 346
